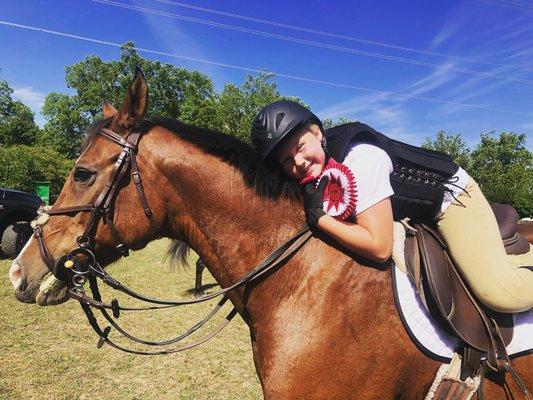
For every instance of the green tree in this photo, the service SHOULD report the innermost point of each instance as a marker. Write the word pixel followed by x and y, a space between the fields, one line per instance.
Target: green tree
pixel 238 105
pixel 454 145
pixel 66 123
pixel 330 122
pixel 22 165
pixel 175 93
pixel 503 167
pixel 17 125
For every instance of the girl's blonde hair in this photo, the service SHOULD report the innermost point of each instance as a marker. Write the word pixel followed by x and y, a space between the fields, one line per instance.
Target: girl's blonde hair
pixel 313 128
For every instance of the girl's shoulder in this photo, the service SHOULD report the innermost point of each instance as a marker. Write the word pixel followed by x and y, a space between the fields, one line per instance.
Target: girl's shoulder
pixel 366 154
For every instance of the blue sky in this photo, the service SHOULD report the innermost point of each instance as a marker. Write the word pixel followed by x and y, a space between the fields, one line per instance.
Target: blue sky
pixel 408 69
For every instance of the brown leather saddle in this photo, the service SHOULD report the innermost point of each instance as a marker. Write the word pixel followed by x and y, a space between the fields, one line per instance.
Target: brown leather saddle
pixel 483 333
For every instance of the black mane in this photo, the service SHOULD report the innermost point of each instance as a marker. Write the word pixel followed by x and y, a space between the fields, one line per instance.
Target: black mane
pixel 266 179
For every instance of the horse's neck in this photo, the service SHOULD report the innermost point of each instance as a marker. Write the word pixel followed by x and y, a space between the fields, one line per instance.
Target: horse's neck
pixel 224 220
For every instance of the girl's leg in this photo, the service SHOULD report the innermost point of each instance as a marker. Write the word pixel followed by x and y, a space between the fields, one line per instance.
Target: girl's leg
pixel 475 244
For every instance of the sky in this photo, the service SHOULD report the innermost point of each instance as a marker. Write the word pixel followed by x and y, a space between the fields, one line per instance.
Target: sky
pixel 406 68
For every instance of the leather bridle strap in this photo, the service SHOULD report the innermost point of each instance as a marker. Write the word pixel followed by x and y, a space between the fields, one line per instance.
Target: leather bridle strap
pixel 273 260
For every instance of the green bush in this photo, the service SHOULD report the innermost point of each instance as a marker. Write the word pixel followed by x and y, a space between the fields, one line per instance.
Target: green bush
pixel 22 166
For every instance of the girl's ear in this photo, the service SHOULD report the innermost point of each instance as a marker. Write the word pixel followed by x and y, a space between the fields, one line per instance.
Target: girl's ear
pixel 315 130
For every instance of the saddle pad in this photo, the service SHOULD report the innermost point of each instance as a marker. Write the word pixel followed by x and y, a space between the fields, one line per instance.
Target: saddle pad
pixel 434 341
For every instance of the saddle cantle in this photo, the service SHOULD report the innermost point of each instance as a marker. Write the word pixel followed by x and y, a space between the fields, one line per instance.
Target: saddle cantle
pixel 507 219
pixel 483 334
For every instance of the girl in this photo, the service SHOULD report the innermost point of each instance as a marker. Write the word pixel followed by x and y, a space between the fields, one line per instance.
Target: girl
pixel 394 180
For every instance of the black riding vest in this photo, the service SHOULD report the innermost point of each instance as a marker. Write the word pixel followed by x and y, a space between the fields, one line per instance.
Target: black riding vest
pixel 418 174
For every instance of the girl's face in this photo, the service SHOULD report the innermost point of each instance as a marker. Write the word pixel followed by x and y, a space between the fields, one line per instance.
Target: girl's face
pixel 301 155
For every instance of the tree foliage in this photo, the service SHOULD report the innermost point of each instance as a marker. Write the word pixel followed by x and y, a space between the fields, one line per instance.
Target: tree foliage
pixel 328 123
pixel 503 167
pixel 452 144
pixel 17 124
pixel 238 105
pixel 175 93
pixel 23 165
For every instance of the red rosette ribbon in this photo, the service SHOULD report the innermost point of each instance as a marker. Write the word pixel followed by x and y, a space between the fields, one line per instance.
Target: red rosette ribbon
pixel 340 195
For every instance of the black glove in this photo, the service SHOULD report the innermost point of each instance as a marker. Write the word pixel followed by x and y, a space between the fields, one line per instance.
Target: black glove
pixel 313 203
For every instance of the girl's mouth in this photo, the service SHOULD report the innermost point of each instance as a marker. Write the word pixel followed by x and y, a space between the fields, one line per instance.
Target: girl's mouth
pixel 307 178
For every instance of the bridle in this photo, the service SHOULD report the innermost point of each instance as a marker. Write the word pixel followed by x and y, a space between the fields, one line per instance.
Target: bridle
pixel 80 265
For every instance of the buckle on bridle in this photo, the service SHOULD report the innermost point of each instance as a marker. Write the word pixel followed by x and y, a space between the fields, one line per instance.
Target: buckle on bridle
pixel 123 249
pixel 83 241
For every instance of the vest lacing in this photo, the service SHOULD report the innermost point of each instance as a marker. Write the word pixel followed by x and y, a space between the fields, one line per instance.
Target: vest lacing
pixel 452 182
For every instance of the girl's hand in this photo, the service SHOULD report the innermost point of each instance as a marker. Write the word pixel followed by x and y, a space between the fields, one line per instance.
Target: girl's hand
pixel 313 200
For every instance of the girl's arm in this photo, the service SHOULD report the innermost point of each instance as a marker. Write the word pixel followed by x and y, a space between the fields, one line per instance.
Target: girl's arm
pixel 371 235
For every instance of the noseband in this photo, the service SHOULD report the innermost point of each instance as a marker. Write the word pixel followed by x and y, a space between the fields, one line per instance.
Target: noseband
pixel 81 265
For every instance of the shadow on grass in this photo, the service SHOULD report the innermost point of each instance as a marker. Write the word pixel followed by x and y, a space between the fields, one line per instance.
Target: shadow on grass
pixel 203 289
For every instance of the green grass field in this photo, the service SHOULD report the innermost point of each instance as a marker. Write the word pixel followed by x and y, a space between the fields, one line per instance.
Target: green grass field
pixel 50 352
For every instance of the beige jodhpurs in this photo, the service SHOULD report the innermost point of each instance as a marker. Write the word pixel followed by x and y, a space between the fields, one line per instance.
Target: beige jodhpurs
pixel 475 244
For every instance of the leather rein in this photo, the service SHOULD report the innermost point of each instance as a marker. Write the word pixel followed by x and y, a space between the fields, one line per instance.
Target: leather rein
pixel 80 265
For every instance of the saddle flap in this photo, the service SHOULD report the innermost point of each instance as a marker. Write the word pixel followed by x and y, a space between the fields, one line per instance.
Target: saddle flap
pixel 452 297
pixel 437 270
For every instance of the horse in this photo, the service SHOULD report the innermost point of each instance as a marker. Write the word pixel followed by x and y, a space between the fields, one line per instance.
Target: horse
pixel 525 228
pixel 322 326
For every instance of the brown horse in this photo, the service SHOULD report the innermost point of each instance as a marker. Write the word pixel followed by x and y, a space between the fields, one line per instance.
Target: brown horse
pixel 323 326
pixel 525 228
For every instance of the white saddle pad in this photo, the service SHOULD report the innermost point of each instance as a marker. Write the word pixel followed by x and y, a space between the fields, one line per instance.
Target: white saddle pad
pixel 434 341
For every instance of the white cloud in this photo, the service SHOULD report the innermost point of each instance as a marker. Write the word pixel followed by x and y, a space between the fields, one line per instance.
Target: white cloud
pixel 29 96
pixel 33 99
pixel 442 36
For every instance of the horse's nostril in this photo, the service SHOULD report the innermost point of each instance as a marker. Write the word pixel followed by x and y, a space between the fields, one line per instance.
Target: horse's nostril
pixel 23 285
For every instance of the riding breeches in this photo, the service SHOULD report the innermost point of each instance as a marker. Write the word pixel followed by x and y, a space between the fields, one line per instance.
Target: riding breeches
pixel 473 238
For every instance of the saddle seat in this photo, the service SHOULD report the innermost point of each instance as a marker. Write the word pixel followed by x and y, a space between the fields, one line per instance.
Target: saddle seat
pixel 448 298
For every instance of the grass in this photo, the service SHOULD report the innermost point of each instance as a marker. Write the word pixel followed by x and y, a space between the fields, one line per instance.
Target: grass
pixel 50 352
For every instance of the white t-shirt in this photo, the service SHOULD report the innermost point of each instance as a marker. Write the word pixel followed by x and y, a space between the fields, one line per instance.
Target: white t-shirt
pixel 372 167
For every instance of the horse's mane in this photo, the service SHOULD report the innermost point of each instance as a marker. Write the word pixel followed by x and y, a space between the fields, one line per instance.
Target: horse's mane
pixel 266 179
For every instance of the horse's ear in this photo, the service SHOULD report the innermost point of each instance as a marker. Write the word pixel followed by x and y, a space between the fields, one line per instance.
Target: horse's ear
pixel 108 110
pixel 135 102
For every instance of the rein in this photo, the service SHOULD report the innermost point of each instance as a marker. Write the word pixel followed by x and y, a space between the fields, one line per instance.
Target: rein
pixel 80 265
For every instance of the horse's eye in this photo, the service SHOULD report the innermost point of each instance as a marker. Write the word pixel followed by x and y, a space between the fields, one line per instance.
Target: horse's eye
pixel 82 175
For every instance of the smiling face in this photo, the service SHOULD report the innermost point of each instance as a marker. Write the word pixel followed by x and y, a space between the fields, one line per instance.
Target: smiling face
pixel 301 154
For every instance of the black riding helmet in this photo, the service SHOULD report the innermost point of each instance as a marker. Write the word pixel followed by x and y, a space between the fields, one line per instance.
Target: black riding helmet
pixel 275 121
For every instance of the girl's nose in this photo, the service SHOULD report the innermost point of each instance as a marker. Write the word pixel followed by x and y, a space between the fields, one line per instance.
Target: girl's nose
pixel 299 161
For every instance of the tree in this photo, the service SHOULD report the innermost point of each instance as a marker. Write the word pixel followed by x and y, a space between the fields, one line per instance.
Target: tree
pixel 454 145
pixel 238 105
pixel 17 125
pixel 23 165
pixel 328 123
pixel 175 93
pixel 66 123
pixel 503 168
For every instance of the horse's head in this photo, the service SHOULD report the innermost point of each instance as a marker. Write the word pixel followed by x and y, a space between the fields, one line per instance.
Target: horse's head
pixel 99 205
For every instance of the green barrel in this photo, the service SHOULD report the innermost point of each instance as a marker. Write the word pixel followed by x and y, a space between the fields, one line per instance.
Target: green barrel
pixel 42 189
